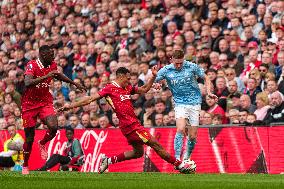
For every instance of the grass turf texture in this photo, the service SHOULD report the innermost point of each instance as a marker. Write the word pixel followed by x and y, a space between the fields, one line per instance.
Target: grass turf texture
pixel 55 180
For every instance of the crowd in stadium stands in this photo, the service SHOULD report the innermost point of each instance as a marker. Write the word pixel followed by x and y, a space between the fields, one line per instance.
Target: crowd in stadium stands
pixel 239 43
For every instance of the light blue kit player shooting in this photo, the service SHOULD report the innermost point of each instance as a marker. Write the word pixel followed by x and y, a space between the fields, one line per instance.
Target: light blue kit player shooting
pixel 181 77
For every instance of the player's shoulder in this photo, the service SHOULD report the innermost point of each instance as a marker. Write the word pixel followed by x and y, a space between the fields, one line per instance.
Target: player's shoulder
pixel 188 63
pixel 32 62
pixel 167 68
pixel 31 65
pixel 108 85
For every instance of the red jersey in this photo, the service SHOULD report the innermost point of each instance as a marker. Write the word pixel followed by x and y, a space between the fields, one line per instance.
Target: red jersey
pixel 37 95
pixel 120 101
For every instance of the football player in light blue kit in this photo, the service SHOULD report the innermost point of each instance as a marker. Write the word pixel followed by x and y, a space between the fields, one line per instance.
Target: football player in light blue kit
pixel 181 77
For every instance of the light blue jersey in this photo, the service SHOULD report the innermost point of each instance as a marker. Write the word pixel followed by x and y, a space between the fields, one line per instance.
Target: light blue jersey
pixel 183 83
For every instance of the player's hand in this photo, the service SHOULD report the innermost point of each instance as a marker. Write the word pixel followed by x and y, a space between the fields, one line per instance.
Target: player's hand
pixel 81 87
pixel 66 107
pixel 155 70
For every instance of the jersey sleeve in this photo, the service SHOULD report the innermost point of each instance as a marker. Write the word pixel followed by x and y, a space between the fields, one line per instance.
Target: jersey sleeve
pixel 161 74
pixel 104 92
pixel 53 66
pixel 30 69
pixel 198 71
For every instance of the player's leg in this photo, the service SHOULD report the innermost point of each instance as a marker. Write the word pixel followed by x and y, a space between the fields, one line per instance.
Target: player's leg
pixel 53 161
pixel 48 115
pixel 27 147
pixel 51 122
pixel 192 132
pixel 29 122
pixel 192 135
pixel 160 150
pixel 181 124
pixel 137 152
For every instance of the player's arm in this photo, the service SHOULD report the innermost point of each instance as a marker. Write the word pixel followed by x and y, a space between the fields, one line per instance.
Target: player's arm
pixel 146 87
pixel 31 81
pixel 62 77
pixel 209 86
pixel 82 102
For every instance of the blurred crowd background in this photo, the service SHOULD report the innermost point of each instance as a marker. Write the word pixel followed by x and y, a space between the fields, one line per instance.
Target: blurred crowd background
pixel 239 43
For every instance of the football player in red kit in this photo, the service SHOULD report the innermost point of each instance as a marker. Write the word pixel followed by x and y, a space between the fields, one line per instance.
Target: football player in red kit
pixel 117 94
pixel 37 101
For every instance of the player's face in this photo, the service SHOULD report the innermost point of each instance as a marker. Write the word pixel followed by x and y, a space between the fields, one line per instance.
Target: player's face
pixel 126 80
pixel 47 56
pixel 177 63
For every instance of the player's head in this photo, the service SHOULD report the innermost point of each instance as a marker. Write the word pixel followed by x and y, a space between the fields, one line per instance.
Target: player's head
pixel 123 76
pixel 177 58
pixel 46 54
pixel 69 132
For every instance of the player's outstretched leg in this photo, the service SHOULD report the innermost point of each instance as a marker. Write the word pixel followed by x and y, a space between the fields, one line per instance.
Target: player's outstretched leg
pixel 178 143
pixel 27 147
pixel 137 152
pixel 191 141
pixel 51 122
pixel 153 143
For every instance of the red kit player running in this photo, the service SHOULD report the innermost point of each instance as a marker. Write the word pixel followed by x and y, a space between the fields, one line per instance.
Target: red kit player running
pixel 118 94
pixel 37 101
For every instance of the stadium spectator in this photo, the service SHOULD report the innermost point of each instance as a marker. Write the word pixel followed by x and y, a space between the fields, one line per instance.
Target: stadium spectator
pixel 62 122
pixel 275 114
pixel 73 154
pixel 216 119
pixel 262 106
pixel 13 149
pixel 214 108
pixel 207 118
pixel 104 122
pixel 233 115
pixel 245 103
pixel 74 122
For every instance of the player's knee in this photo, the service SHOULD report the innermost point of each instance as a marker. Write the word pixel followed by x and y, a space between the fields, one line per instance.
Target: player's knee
pixel 180 130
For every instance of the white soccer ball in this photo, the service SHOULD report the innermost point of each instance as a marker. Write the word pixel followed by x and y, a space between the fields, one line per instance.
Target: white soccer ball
pixel 190 166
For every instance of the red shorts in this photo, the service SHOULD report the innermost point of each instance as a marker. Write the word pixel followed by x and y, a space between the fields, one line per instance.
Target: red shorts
pixel 140 136
pixel 30 116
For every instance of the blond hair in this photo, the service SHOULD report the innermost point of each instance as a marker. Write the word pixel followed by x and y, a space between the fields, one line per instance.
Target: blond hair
pixel 263 97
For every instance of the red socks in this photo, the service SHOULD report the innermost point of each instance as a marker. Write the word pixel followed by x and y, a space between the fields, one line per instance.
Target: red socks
pixel 118 158
pixel 49 135
pixel 27 151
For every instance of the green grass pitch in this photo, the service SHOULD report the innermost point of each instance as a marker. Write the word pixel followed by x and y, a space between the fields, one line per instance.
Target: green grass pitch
pixel 68 180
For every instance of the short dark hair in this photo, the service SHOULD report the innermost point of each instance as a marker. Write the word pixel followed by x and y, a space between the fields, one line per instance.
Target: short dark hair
pixel 44 48
pixel 69 128
pixel 122 71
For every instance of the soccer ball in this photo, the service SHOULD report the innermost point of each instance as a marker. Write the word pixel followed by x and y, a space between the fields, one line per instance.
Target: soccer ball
pixel 189 167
